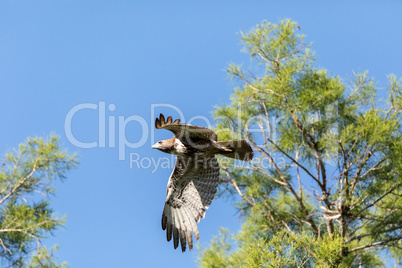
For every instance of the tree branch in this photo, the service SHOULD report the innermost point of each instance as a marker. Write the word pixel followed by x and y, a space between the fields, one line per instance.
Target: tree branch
pixel 234 183
pixel 378 200
pixel 290 188
pixel 296 162
pixel 375 244
pixel 21 182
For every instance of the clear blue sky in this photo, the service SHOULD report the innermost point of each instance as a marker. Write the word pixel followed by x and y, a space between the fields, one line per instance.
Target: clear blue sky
pixel 55 55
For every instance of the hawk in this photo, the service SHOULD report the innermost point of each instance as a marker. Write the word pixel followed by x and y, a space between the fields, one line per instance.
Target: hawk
pixel 195 177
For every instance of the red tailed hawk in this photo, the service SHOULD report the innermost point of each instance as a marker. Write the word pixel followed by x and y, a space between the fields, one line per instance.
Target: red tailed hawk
pixel 195 177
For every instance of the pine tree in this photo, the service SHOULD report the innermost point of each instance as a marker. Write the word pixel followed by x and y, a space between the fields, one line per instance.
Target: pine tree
pixel 324 189
pixel 26 217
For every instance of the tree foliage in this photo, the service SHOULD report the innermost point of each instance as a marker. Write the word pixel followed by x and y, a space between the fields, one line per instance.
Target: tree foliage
pixel 324 189
pixel 26 180
pixel 45 259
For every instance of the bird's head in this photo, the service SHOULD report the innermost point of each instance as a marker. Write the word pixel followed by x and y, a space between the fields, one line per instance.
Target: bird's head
pixel 166 146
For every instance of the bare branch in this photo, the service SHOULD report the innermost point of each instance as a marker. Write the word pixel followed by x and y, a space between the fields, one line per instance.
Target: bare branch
pixel 282 221
pixel 298 174
pixel 4 247
pixel 290 188
pixel 20 183
pixel 375 244
pixel 266 174
pixel 296 162
pixel 373 167
pixel 360 168
pixel 353 146
pixel 378 200
pixel 259 90
pixel 268 121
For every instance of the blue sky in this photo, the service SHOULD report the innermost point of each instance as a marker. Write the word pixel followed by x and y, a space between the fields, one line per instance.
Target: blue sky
pixel 55 55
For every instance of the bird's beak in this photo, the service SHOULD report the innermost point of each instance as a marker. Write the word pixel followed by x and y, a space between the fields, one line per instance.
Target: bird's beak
pixel 155 146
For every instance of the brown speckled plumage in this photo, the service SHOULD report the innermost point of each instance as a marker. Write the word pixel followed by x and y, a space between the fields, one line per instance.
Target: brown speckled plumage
pixel 190 191
pixel 194 180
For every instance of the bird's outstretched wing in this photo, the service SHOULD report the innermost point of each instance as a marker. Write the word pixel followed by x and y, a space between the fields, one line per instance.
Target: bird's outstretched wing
pixel 185 131
pixel 190 191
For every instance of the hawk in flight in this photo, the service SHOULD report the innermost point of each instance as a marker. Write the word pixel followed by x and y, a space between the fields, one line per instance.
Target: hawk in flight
pixel 195 177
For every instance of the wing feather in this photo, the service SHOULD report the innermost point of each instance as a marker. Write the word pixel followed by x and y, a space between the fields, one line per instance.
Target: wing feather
pixel 167 220
pixel 197 211
pixel 191 188
pixel 162 118
pixel 169 120
pixel 189 240
pixel 175 237
pixel 190 228
pixel 182 229
pixel 169 233
pixel 193 225
pixel 185 131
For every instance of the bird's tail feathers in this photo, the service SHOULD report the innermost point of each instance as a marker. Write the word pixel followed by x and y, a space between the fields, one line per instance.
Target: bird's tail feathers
pixel 235 149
